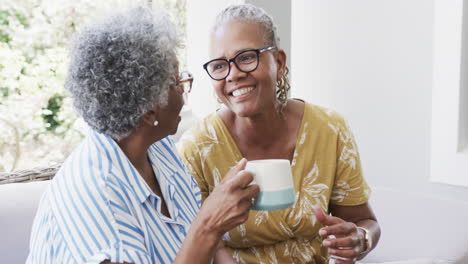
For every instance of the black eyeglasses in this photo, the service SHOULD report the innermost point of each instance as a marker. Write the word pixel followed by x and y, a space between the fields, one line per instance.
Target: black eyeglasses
pixel 245 61
pixel 185 81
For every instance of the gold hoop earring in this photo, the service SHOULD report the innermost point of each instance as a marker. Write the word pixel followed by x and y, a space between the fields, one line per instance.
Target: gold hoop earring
pixel 282 91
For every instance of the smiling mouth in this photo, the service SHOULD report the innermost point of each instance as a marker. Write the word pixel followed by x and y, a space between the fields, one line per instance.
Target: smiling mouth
pixel 242 91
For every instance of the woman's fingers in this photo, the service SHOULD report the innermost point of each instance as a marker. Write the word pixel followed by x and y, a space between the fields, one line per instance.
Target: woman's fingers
pixel 242 179
pixel 230 201
pixel 344 242
pixel 241 215
pixel 326 219
pixel 338 230
pixel 343 261
pixel 234 170
pixel 348 253
pixel 251 191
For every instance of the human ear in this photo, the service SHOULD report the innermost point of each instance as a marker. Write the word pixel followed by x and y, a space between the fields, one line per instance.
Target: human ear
pixel 150 118
pixel 281 62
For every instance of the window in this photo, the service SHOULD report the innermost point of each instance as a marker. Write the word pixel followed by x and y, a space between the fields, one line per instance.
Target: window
pixel 449 140
pixel 37 123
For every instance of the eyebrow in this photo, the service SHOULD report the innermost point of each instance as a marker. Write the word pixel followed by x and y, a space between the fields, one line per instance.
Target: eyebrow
pixel 235 54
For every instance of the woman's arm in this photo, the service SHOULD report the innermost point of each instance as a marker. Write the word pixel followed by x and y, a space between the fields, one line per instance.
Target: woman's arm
pixel 362 216
pixel 222 255
pixel 227 207
pixel 199 246
pixel 348 242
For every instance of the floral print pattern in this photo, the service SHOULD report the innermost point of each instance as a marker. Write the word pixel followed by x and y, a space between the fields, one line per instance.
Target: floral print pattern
pixel 326 169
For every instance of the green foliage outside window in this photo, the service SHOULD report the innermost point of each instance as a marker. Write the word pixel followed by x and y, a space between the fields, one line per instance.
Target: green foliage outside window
pixel 38 126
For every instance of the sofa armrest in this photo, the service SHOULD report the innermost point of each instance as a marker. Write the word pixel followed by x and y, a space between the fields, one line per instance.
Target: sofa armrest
pixel 18 206
pixel 416 226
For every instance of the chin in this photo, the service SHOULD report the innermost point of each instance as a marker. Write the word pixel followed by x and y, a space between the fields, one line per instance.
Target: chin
pixel 244 112
pixel 174 131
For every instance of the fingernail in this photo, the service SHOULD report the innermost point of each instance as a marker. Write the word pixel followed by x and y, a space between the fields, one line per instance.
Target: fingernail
pixel 331 251
pixel 322 232
pixel 326 243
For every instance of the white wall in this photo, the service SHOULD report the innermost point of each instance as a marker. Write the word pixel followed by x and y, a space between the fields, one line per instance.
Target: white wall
pixel 281 13
pixel 372 61
pixel 200 17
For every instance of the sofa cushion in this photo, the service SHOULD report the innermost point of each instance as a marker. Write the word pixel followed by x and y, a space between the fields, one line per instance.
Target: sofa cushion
pixel 418 226
pixel 18 206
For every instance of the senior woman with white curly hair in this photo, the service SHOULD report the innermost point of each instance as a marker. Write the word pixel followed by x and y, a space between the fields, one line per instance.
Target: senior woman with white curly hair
pixel 123 196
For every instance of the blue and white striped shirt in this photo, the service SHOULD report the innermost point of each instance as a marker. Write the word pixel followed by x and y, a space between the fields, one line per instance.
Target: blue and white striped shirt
pixel 98 207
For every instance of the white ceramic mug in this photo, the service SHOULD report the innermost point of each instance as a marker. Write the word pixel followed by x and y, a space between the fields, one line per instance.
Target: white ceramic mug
pixel 276 184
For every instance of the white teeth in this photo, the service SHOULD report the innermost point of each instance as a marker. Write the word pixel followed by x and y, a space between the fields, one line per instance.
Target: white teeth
pixel 242 91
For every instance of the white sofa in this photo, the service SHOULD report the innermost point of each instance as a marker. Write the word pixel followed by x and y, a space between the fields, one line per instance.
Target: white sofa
pixel 419 229
pixel 415 229
pixel 18 205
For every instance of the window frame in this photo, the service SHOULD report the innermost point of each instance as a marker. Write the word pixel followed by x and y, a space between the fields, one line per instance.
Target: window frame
pixel 448 160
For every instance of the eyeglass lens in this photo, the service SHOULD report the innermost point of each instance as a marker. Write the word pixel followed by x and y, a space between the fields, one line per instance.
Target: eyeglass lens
pixel 245 61
pixel 185 81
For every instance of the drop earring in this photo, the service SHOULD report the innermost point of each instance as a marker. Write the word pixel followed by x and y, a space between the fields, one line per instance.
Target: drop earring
pixel 155 123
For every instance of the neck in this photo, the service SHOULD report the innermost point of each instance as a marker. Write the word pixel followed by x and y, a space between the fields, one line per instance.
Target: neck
pixel 135 148
pixel 136 145
pixel 261 129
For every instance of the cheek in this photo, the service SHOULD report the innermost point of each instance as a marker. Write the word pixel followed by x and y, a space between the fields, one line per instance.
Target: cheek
pixel 267 76
pixel 218 87
pixel 267 71
pixel 176 101
pixel 273 72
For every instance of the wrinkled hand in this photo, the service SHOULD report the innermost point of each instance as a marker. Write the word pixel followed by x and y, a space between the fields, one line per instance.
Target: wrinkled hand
pixel 229 203
pixel 343 240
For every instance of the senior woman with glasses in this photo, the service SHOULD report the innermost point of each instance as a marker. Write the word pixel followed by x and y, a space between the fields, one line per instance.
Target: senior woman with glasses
pixel 258 121
pixel 123 196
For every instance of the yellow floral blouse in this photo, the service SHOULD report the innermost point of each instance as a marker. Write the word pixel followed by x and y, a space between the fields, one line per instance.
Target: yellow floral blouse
pixel 326 169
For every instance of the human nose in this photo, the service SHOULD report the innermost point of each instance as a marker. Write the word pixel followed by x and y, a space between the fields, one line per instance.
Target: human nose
pixel 235 74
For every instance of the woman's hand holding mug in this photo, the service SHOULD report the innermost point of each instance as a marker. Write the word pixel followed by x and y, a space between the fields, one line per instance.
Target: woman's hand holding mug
pixel 228 205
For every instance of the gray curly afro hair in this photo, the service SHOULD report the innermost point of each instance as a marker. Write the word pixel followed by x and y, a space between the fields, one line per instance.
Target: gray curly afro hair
pixel 121 68
pixel 250 13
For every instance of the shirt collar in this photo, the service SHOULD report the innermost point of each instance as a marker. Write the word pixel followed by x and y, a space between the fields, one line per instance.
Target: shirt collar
pixel 121 165
pixel 162 155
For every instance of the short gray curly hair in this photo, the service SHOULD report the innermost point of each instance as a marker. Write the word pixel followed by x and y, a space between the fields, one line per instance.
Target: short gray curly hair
pixel 250 13
pixel 121 68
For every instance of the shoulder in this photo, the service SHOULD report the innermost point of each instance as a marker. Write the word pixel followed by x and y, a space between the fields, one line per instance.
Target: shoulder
pixel 323 117
pixel 203 131
pixel 166 144
pixel 204 126
pixel 92 162
pixel 165 153
pixel 324 113
pixel 90 178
